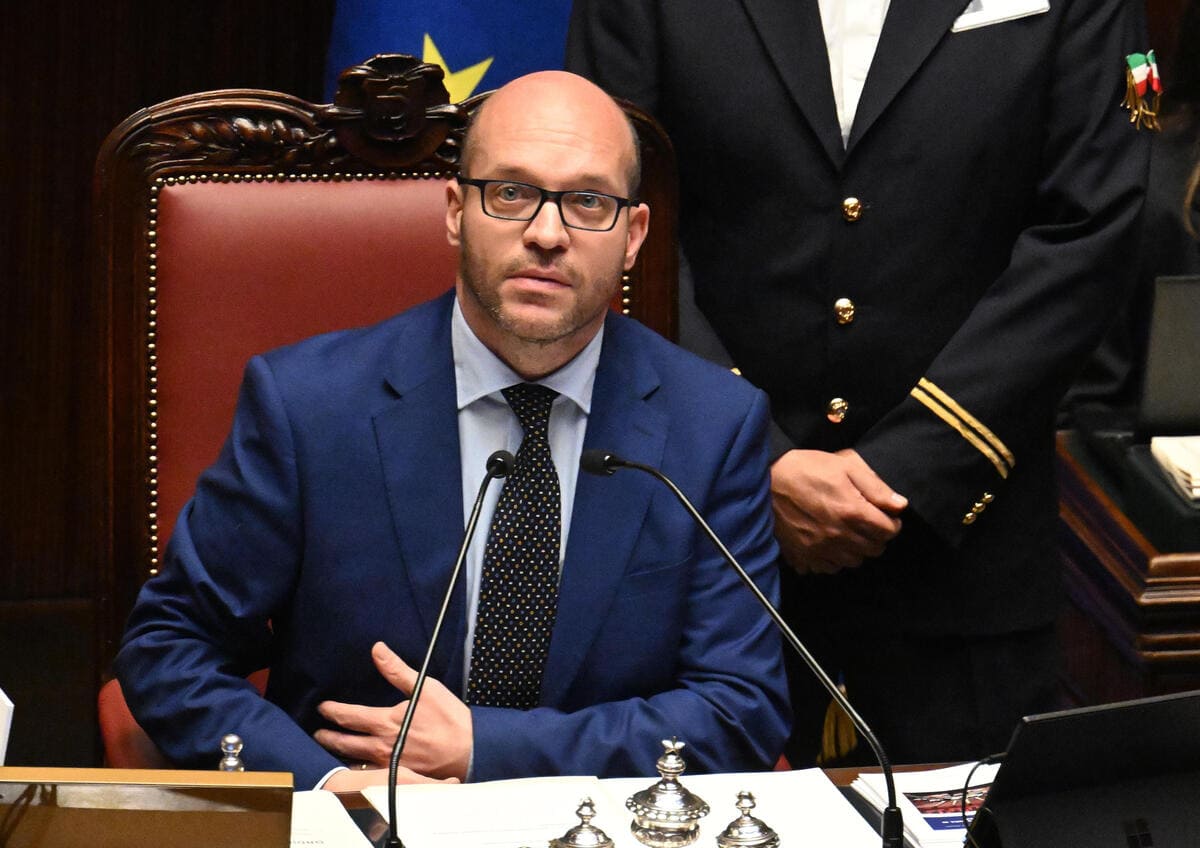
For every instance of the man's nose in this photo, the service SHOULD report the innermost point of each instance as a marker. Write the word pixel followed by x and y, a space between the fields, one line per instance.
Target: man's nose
pixel 546 228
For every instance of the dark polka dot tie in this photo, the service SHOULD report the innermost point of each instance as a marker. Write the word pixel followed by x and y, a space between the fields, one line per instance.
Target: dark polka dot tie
pixel 518 592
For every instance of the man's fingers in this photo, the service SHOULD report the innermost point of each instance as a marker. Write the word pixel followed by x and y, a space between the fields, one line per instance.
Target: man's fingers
pixel 352 746
pixel 871 485
pixel 354 780
pixel 395 670
pixel 407 775
pixel 869 528
pixel 356 717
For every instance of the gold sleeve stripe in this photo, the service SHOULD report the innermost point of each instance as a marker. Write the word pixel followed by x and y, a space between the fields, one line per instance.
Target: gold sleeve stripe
pixel 947 416
pixel 970 420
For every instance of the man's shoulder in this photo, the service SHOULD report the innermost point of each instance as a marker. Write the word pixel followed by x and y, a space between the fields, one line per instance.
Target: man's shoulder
pixel 677 367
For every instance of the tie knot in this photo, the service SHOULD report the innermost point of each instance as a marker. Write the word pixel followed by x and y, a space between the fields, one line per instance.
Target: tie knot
pixel 531 404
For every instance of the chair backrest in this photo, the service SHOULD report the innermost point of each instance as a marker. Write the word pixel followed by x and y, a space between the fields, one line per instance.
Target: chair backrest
pixel 231 222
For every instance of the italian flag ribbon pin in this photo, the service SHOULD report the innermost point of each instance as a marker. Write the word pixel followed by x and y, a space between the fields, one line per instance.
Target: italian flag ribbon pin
pixel 1143 85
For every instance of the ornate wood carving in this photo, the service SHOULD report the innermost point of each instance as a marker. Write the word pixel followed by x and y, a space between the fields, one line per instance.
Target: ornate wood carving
pixel 391 113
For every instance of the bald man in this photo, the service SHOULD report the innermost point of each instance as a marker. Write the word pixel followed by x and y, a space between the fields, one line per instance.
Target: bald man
pixel 322 539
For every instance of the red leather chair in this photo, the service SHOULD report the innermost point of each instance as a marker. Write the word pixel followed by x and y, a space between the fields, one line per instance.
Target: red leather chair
pixel 231 222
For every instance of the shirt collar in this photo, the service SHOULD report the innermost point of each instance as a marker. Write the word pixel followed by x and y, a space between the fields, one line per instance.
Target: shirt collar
pixel 479 373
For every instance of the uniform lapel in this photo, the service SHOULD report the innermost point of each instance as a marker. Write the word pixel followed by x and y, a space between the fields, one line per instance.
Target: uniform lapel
pixel 417 437
pixel 910 32
pixel 608 512
pixel 792 34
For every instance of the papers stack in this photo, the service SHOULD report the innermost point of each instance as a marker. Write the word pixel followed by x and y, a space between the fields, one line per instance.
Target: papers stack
pixel 1179 458
pixel 320 821
pixel 931 801
pixel 6 714
pixel 803 807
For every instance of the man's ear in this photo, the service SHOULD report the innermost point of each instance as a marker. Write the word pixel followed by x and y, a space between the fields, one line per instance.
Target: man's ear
pixel 639 226
pixel 454 210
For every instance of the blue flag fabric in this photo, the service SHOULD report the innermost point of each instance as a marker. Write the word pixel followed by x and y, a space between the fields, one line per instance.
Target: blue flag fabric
pixel 481 44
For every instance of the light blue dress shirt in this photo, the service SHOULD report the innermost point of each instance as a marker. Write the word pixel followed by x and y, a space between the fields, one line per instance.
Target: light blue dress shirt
pixel 486 424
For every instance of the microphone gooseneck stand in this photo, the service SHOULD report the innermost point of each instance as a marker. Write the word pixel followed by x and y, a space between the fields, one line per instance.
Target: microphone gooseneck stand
pixel 892 826
pixel 499 464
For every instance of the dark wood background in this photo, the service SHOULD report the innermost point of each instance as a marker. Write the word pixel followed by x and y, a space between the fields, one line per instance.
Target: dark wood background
pixel 70 72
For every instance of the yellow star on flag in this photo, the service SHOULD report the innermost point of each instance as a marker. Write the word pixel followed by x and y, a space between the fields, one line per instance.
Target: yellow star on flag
pixel 460 84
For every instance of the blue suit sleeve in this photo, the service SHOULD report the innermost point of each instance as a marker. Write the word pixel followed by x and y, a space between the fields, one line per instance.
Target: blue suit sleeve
pixel 204 622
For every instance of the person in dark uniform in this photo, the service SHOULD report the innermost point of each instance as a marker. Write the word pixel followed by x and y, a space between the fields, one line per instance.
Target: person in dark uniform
pixel 908 222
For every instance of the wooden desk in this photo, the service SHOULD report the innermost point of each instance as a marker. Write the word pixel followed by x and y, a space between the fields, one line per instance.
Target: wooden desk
pixel 1132 627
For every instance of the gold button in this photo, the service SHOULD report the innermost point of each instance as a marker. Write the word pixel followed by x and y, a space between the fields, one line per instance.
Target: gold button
pixel 843 308
pixel 969 518
pixel 978 507
pixel 852 209
pixel 836 410
pixel 988 497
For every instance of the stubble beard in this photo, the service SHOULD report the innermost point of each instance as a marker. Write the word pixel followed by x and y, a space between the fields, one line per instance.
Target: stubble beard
pixel 486 293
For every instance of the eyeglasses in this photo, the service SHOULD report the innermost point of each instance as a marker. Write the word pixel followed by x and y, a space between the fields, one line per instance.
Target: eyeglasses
pixel 581 210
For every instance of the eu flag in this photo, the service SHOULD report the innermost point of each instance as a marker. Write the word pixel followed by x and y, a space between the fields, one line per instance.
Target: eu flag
pixel 481 44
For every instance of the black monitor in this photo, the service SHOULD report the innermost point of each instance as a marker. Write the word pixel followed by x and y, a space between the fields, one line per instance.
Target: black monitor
pixel 1125 775
pixel 1170 400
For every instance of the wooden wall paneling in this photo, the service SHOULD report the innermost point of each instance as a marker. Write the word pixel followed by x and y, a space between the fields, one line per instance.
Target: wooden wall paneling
pixel 73 72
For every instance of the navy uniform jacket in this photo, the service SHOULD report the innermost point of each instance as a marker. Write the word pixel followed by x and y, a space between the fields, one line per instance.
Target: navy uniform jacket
pixel 944 274
pixel 332 519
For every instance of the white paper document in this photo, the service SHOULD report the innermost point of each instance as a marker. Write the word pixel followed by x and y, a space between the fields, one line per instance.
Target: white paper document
pixel 1179 459
pixel 6 714
pixel 931 801
pixel 320 821
pixel 803 807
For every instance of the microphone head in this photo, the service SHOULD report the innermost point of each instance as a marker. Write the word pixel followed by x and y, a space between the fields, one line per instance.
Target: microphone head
pixel 596 461
pixel 500 464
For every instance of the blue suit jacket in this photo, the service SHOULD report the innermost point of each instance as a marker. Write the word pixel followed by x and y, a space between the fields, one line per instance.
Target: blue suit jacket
pixel 332 519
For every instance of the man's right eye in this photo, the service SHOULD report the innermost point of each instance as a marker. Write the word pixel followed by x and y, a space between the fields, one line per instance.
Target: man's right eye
pixel 509 192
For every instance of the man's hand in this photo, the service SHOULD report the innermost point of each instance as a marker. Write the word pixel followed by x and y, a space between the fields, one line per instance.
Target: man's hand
pixel 355 780
pixel 439 741
pixel 831 510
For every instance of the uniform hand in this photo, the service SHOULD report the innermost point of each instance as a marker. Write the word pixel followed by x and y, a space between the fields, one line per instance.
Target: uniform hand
pixel 831 510
pixel 439 741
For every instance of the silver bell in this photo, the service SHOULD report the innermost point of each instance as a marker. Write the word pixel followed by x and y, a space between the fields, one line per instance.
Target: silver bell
pixel 667 815
pixel 746 831
pixel 584 834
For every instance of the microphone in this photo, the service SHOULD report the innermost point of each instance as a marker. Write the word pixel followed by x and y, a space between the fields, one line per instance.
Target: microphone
pixel 499 464
pixel 605 464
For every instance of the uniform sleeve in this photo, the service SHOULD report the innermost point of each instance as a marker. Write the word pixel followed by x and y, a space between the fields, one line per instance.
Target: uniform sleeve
pixel 961 431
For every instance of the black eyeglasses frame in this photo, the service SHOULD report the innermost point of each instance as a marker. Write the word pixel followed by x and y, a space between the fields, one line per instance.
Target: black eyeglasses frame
pixel 553 196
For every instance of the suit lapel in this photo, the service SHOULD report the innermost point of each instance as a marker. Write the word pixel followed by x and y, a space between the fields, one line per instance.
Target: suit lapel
pixel 792 34
pixel 417 437
pixel 608 512
pixel 910 32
